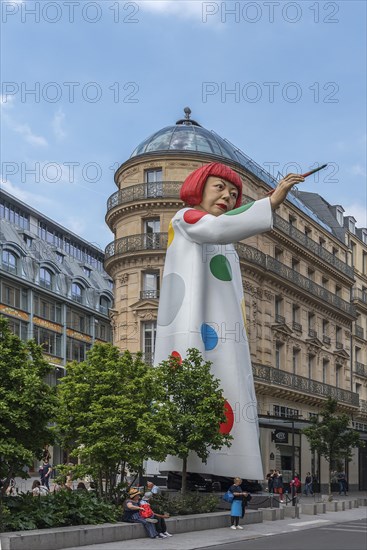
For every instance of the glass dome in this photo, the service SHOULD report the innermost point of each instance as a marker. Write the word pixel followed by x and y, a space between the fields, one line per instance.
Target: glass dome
pixel 188 135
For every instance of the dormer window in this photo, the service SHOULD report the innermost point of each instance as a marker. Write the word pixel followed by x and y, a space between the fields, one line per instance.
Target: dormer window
pixel 45 278
pixel 339 215
pixel 352 225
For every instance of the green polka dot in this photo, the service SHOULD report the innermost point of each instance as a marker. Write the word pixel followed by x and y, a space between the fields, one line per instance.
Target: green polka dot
pixel 221 268
pixel 240 209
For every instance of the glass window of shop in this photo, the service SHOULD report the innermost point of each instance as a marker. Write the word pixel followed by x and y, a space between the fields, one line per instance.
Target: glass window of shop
pixel 47 309
pixel 78 321
pixel 49 340
pixel 75 350
pixel 14 296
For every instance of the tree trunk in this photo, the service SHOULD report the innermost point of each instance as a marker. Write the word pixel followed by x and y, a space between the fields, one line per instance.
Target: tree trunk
pixel 329 478
pixel 184 472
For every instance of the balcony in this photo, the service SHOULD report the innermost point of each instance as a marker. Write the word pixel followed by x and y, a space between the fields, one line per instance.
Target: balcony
pixel 360 369
pixel 339 345
pixel 326 339
pixel 358 331
pixel 158 241
pixel 136 243
pixel 297 326
pixel 171 190
pixel 149 295
pixel 312 333
pixel 360 295
pixel 312 246
pixel 279 319
pixel 143 191
pixel 277 377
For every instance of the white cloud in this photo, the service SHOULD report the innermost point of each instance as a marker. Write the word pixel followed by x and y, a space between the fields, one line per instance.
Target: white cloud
pixel 358 211
pixel 30 198
pixel 6 101
pixel 358 170
pixel 57 124
pixel 203 12
pixel 25 131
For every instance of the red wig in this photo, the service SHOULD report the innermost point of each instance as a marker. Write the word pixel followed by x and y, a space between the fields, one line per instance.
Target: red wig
pixel 192 189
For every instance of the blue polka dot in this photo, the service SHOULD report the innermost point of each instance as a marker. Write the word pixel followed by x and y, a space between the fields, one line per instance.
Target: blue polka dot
pixel 209 337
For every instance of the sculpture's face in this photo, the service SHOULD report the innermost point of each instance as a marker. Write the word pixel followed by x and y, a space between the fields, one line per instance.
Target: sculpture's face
pixel 219 196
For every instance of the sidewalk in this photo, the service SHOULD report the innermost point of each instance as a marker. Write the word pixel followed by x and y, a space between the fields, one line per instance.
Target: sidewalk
pixel 214 537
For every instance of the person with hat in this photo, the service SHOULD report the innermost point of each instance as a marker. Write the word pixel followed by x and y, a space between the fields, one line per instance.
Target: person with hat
pixel 202 303
pixel 131 513
pixel 161 526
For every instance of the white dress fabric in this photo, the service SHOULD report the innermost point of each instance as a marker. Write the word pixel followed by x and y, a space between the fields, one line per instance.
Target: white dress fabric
pixel 202 306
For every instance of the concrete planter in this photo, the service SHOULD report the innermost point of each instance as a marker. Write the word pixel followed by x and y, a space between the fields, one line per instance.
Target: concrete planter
pixel 67 537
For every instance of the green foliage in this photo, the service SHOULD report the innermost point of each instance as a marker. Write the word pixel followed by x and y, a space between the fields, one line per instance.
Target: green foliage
pixel 196 407
pixel 190 503
pixel 27 404
pixel 59 509
pixel 111 416
pixel 331 436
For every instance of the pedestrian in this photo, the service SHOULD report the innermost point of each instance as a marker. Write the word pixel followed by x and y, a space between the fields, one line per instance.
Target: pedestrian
pixel 295 485
pixel 278 484
pixel 161 525
pixel 270 480
pixel 152 488
pixel 81 487
pixel 342 480
pixel 46 473
pixel 131 509
pixel 308 489
pixel 38 489
pixel 239 503
pixel 206 292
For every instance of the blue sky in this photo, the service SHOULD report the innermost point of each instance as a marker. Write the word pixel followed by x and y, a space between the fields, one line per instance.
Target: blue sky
pixel 283 81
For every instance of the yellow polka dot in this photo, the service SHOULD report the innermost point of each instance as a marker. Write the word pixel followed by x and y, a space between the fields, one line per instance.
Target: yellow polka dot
pixel 243 308
pixel 171 234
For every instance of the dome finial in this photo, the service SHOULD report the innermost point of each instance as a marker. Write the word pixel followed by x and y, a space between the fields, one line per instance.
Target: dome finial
pixel 187 112
pixel 187 121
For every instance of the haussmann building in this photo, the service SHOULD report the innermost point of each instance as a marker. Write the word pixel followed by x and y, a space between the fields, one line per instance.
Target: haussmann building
pixel 305 285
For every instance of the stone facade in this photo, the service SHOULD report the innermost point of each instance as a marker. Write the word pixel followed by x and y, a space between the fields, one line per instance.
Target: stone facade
pixel 297 278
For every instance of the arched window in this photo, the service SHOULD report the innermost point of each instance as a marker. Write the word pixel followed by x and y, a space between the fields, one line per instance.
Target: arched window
pixel 77 293
pixel 45 278
pixel 9 261
pixel 104 304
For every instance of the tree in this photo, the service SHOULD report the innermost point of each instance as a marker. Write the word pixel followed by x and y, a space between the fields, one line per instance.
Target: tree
pixel 27 404
pixel 196 407
pixel 110 416
pixel 331 436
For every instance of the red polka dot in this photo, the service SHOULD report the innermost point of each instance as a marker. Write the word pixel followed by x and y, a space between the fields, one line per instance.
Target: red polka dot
pixel 225 427
pixel 177 356
pixel 193 216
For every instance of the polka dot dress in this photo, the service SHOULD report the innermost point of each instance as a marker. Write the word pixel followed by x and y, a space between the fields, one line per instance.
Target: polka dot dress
pixel 202 306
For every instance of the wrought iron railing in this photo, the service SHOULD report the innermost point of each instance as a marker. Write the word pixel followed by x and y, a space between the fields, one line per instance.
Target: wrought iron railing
pixel 149 294
pixel 312 333
pixel 277 377
pixel 359 294
pixel 136 243
pixel 360 368
pixel 142 191
pixel 297 326
pixel 309 286
pixel 313 246
pixel 358 331
pixel 339 345
pixel 171 190
pixel 326 339
pixel 158 241
pixel 279 318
